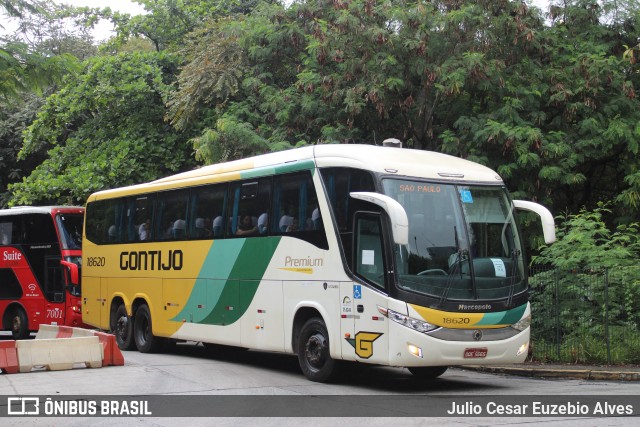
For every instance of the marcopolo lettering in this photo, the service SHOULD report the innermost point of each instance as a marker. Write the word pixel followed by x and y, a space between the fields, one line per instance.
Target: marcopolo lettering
pixel 151 260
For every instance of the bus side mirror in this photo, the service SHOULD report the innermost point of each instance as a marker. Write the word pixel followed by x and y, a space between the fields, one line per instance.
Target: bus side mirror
pixel 72 271
pixel 548 224
pixel 397 214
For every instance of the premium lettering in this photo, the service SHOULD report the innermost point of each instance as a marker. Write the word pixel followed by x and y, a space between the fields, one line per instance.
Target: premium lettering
pixel 303 262
pixel 151 260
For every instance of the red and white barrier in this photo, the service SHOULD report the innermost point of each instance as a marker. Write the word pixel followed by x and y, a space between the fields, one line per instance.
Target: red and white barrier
pixel 8 357
pixel 58 348
pixel 112 356
pixel 57 355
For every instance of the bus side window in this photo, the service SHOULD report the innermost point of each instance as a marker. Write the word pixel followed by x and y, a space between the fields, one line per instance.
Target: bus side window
pixel 207 205
pixel 249 199
pixel 170 215
pixel 143 211
pixel 6 230
pixel 296 209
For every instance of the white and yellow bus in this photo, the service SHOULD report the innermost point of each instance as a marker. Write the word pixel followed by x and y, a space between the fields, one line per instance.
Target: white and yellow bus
pixel 360 253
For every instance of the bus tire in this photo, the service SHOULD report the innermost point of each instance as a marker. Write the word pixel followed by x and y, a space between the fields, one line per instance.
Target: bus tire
pixel 123 329
pixel 313 351
pixel 19 324
pixel 143 332
pixel 428 372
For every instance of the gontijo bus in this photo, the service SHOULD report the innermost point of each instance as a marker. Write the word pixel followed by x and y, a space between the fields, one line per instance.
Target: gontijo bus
pixel 40 256
pixel 361 253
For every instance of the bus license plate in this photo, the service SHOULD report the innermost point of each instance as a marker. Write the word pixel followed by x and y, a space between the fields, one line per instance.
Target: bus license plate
pixel 475 353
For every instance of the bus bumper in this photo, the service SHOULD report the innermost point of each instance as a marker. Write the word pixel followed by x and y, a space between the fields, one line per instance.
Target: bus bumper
pixel 410 348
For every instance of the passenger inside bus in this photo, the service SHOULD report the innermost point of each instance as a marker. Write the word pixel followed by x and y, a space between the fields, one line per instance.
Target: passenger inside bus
pixel 217 226
pixel 263 223
pixel 178 231
pixel 286 220
pixel 201 230
pixel 246 227
pixel 144 230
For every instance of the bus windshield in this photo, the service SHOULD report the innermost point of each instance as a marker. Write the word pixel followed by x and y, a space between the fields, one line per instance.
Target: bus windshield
pixel 463 241
pixel 70 226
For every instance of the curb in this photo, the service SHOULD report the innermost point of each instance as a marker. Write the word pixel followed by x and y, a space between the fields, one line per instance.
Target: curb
pixel 577 374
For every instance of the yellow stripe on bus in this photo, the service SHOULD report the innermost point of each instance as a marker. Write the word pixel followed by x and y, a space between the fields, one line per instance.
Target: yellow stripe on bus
pixel 452 320
pixel 298 269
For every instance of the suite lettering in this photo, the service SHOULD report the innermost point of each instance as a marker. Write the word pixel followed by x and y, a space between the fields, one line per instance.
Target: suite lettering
pixel 151 260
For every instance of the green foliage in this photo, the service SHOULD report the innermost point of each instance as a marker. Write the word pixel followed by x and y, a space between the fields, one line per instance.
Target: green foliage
pixel 228 141
pixel 549 102
pixel 212 75
pixel 592 294
pixel 104 129
pixel 584 240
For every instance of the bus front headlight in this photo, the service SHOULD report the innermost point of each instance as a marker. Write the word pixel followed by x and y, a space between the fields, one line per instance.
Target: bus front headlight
pixel 415 324
pixel 522 324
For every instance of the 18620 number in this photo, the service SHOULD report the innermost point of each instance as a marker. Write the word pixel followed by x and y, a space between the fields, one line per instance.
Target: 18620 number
pixel 96 261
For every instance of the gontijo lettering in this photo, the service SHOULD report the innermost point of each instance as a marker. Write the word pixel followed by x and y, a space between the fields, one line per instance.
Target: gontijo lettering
pixel 151 260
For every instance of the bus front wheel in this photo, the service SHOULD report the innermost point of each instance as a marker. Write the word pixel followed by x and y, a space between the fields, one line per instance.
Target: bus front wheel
pixel 123 329
pixel 19 324
pixel 142 331
pixel 313 351
pixel 428 372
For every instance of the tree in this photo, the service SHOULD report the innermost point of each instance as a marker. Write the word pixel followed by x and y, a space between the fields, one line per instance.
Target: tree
pixel 30 66
pixel 104 129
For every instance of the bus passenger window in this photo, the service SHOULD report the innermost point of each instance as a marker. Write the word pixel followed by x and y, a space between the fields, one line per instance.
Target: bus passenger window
pixel 247 208
pixel 207 206
pixel 296 209
pixel 169 215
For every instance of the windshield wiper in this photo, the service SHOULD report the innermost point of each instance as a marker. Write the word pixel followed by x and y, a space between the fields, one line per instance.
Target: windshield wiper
pixel 457 267
pixel 512 283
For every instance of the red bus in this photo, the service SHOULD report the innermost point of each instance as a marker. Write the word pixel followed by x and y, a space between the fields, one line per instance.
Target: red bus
pixel 40 259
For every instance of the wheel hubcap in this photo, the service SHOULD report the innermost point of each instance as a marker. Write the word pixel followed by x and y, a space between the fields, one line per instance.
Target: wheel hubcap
pixel 122 326
pixel 315 349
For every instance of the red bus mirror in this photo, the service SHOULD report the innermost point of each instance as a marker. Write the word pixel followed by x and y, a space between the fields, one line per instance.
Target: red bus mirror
pixel 72 271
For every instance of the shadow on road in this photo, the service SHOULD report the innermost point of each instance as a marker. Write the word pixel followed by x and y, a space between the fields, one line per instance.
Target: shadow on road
pixel 376 378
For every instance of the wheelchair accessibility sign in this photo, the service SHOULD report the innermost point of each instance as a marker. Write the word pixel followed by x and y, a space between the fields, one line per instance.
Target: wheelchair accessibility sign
pixel 357 291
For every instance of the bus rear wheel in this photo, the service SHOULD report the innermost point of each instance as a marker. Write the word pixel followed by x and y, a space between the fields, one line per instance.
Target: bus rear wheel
pixel 313 351
pixel 19 324
pixel 143 333
pixel 122 326
pixel 428 372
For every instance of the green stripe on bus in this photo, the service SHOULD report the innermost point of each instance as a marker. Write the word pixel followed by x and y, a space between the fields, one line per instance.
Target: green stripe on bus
pixel 278 169
pixel 508 317
pixel 244 262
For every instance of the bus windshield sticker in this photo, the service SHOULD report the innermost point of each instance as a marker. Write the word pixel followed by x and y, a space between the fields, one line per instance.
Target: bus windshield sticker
pixel 465 196
pixel 498 266
pixel 368 257
pixel 357 292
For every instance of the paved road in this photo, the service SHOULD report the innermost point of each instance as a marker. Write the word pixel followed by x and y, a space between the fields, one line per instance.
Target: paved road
pixel 192 370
